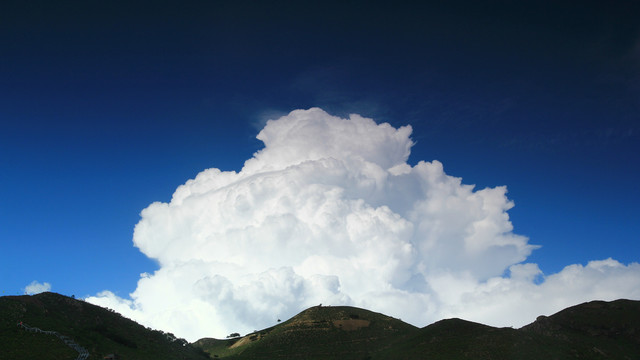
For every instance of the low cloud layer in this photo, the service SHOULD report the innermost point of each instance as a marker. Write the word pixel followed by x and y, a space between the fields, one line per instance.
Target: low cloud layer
pixel 330 212
pixel 37 288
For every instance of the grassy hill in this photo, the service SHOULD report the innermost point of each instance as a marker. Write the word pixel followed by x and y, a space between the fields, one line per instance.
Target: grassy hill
pixel 339 332
pixel 100 331
pixel 594 330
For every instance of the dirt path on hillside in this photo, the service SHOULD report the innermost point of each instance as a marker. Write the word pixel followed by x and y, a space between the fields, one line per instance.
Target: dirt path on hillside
pixel 83 354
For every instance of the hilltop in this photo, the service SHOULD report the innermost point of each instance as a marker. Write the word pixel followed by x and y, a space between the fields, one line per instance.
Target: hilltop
pixel 317 333
pixel 593 330
pixel 100 331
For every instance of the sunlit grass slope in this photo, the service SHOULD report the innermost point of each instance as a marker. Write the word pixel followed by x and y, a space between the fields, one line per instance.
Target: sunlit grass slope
pixel 595 330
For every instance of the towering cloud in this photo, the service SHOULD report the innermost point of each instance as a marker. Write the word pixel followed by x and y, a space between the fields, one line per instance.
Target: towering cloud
pixel 330 212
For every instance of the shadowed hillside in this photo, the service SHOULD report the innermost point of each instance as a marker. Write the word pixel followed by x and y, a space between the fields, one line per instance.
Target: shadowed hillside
pixel 100 331
pixel 594 330
pixel 597 330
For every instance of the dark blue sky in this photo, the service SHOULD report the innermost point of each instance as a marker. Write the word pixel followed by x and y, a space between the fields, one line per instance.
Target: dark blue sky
pixel 107 106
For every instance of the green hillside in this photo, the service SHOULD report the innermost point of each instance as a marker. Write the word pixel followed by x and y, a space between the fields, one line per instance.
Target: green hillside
pixel 594 330
pixel 339 332
pixel 98 330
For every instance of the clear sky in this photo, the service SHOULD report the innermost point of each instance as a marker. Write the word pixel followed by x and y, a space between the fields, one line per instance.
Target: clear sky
pixel 108 106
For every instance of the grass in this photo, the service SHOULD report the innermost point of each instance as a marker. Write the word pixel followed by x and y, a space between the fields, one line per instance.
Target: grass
pixel 594 330
pixel 98 330
pixel 339 332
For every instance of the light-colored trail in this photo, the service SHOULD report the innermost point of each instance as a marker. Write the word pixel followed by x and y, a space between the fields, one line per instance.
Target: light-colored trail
pixel 83 354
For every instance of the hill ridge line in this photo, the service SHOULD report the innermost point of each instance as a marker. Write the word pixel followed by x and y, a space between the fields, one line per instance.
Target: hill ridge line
pixel 83 353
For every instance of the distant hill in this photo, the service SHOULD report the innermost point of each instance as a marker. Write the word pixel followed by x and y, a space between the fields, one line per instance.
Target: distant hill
pixel 100 331
pixel 594 330
pixel 321 332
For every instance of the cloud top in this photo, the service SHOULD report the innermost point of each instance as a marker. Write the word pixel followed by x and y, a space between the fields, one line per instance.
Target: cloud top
pixel 308 135
pixel 330 212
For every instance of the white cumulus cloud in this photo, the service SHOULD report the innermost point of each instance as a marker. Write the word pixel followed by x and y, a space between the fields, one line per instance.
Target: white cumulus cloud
pixel 37 288
pixel 330 212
